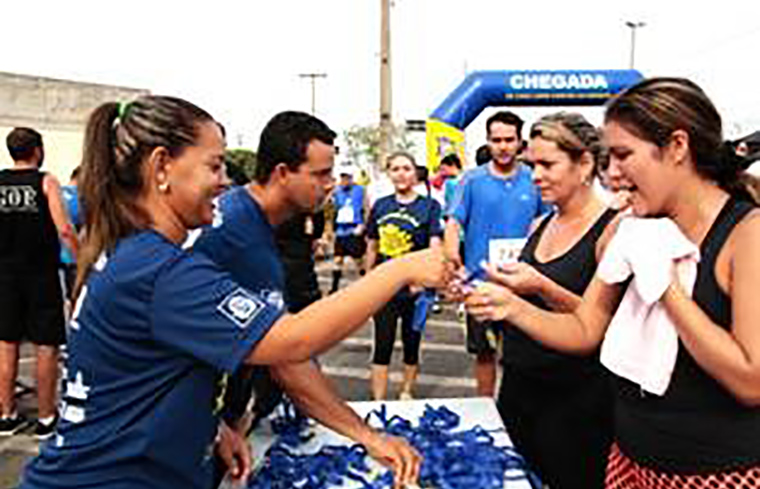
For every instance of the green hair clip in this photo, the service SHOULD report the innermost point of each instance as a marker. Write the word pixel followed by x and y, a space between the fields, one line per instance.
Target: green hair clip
pixel 123 109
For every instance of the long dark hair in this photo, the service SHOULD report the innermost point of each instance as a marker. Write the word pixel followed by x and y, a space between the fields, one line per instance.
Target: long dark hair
pixel 118 139
pixel 653 109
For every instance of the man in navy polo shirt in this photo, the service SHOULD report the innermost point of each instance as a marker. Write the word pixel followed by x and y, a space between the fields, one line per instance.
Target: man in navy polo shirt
pixel 494 206
pixel 293 174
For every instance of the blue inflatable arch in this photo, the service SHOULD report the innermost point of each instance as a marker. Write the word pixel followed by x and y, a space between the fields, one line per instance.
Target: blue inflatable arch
pixel 481 89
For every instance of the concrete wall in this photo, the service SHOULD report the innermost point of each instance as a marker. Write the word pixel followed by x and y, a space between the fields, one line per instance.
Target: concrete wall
pixel 58 109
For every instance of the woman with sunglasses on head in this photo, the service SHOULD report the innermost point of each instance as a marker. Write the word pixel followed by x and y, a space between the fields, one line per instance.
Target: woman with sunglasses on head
pixel 156 330
pixel 558 407
pixel 665 141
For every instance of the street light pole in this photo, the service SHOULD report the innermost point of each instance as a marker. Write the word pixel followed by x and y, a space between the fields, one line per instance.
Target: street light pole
pixel 385 81
pixel 313 77
pixel 633 26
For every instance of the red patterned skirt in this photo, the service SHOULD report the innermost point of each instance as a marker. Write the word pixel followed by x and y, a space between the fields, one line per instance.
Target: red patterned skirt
pixel 624 473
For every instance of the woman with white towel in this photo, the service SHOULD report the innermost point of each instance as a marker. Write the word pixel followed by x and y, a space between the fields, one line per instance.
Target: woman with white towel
pixel 701 427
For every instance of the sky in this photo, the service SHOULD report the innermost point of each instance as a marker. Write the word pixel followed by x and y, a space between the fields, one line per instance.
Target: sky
pixel 241 60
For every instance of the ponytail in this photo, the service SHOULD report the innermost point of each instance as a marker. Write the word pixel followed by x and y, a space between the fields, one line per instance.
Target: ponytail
pixel 732 177
pixel 107 215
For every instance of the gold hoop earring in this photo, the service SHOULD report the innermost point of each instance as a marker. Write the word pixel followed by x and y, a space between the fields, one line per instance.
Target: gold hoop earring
pixel 163 187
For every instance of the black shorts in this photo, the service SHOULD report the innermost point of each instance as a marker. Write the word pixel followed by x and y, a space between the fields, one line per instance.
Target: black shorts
pixel 31 307
pixel 483 337
pixel 353 246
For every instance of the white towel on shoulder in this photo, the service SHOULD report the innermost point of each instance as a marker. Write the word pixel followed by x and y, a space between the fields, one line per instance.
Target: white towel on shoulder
pixel 641 343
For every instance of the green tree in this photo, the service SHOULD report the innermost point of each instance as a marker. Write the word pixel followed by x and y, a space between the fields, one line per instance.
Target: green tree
pixel 363 142
pixel 241 164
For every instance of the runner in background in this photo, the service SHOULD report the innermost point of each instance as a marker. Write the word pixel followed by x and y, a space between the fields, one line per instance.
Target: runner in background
pixel 33 223
pixel 350 200
pixel 493 209
pixel 399 224
pixel 70 196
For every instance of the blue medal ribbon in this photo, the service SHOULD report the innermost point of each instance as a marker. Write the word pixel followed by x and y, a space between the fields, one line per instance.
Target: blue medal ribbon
pixel 422 304
pixel 451 459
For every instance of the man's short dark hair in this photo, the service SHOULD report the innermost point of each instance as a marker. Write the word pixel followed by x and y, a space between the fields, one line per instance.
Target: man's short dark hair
pixel 285 139
pixel 452 159
pixel 483 155
pixel 508 118
pixel 21 142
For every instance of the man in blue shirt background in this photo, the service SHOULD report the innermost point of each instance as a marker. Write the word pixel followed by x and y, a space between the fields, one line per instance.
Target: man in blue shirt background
pixel 350 208
pixel 494 204
pixel 451 167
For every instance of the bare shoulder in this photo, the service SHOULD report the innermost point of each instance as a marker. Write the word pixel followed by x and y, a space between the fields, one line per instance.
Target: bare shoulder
pixel 747 231
pixel 741 248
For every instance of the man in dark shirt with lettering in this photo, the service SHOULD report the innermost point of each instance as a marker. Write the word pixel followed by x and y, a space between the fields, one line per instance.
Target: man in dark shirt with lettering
pixel 32 221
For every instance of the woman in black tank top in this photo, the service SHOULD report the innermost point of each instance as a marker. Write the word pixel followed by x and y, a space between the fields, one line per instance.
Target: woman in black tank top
pixel 558 407
pixel 664 137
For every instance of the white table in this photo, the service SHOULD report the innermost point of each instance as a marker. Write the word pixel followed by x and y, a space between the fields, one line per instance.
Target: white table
pixel 472 411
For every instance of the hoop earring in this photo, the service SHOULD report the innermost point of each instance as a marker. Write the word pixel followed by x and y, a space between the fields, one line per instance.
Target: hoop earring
pixel 163 187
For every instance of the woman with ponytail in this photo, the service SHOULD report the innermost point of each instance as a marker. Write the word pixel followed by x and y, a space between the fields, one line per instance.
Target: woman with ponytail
pixel 156 331
pixel 699 429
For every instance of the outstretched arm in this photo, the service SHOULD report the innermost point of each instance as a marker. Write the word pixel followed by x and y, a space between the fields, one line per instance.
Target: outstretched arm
pixel 301 336
pixel 523 279
pixel 578 332
pixel 451 242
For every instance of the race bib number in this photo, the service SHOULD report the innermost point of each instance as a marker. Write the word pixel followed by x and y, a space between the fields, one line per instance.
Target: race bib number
pixel 504 251
pixel 345 214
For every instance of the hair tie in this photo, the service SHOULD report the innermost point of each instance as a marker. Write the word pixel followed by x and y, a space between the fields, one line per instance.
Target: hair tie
pixel 731 161
pixel 122 110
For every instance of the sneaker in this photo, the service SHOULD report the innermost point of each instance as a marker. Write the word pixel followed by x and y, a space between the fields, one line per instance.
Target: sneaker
pixel 43 431
pixel 11 426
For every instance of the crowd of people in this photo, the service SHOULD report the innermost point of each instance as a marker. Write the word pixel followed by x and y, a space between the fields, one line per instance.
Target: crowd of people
pixel 610 271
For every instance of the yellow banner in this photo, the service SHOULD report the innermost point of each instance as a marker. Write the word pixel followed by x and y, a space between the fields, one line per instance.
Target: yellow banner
pixel 441 140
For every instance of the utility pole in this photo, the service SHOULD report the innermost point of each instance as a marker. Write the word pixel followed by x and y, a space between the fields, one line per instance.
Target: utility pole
pixel 313 77
pixel 385 82
pixel 633 26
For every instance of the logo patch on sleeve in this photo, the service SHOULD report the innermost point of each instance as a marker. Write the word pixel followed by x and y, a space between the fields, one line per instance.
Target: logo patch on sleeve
pixel 241 307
